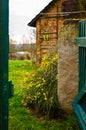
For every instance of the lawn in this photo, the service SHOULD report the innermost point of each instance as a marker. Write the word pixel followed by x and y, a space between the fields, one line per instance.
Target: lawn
pixel 19 117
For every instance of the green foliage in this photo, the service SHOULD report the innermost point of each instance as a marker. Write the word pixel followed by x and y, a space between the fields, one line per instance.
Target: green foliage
pixel 42 86
pixel 19 117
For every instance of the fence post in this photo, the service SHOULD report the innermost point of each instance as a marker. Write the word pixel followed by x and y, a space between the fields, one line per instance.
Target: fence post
pixel 4 43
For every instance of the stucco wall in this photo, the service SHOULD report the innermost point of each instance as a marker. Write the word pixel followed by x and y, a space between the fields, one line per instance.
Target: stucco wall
pixel 67 66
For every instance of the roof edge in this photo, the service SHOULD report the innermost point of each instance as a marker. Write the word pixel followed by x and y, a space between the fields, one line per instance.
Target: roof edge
pixel 32 23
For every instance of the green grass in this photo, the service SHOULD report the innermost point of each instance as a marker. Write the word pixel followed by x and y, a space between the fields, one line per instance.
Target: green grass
pixel 19 117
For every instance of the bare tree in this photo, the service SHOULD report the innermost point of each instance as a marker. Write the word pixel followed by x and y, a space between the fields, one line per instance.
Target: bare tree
pixel 32 43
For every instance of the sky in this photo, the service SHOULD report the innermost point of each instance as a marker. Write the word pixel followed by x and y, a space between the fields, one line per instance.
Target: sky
pixel 21 12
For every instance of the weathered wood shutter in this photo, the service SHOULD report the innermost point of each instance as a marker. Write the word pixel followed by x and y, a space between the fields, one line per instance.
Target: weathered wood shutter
pixel 79 104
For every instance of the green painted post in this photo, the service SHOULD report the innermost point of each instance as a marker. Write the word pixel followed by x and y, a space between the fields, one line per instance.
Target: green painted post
pixel 79 103
pixel 4 43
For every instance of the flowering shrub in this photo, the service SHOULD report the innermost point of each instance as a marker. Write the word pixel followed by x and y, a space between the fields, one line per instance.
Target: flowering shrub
pixel 41 92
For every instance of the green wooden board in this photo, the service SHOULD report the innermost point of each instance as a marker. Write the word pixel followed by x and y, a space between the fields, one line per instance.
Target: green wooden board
pixel 79 104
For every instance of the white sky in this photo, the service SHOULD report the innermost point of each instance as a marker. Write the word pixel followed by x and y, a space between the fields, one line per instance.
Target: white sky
pixel 27 7
pixel 26 10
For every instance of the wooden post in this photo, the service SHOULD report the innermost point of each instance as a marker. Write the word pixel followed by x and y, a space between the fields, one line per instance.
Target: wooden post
pixel 4 64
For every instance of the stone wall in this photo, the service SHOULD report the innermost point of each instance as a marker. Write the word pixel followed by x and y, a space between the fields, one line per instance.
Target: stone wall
pixel 67 65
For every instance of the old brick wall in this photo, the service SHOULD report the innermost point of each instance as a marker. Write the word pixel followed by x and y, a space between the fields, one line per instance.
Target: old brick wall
pixel 46 26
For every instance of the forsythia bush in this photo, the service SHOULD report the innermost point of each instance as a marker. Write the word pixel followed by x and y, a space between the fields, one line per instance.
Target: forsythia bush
pixel 41 92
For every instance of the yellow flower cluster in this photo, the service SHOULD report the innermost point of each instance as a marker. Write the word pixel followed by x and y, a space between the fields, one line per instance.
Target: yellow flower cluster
pixel 47 60
pixel 41 84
